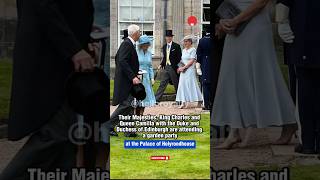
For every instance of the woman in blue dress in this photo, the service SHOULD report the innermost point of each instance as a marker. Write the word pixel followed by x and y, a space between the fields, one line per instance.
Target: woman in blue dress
pixel 145 64
pixel 188 88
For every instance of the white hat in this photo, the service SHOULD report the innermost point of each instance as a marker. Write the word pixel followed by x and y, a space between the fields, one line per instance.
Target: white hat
pixel 190 37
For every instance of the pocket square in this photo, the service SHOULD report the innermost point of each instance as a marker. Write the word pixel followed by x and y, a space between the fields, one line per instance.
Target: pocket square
pixel 173 50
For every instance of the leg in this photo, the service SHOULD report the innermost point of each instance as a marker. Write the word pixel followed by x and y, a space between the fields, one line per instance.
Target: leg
pixel 163 85
pixel 173 77
pixel 306 95
pixel 125 108
pixel 206 95
pixel 48 149
pixel 233 138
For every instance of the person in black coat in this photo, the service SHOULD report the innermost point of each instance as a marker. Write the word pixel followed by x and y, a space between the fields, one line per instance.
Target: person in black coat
pixel 171 58
pixel 297 27
pixel 203 57
pixel 51 42
pixel 126 75
pixel 218 37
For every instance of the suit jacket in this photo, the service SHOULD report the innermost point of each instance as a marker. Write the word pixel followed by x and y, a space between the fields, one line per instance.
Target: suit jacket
pixel 304 51
pixel 127 67
pixel 217 50
pixel 49 33
pixel 175 55
pixel 204 58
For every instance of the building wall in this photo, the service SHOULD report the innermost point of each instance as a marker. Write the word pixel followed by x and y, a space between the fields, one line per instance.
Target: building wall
pixel 178 12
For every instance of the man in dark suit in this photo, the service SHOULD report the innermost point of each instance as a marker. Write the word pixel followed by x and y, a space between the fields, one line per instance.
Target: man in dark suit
pixel 203 57
pixel 51 42
pixel 297 27
pixel 218 37
pixel 126 75
pixel 171 58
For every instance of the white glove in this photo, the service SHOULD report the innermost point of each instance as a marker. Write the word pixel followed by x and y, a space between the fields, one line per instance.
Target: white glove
pixel 198 67
pixel 152 81
pixel 282 18
pixel 285 32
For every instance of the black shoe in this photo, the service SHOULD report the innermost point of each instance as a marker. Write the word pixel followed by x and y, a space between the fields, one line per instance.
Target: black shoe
pixel 206 108
pixel 130 134
pixel 113 133
pixel 299 149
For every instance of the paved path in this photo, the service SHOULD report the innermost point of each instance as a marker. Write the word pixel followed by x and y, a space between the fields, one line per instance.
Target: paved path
pixel 259 154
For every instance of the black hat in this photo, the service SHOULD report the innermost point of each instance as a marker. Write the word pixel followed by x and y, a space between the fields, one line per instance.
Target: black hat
pixel 83 87
pixel 169 33
pixel 138 91
pixel 125 33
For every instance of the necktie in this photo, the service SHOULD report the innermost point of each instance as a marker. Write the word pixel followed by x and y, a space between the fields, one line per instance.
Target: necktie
pixel 168 55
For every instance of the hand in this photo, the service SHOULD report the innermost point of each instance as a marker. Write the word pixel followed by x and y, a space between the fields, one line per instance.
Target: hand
pixel 152 81
pixel 219 33
pixel 181 69
pixel 160 67
pixel 228 25
pixel 285 32
pixel 94 48
pixel 136 81
pixel 198 67
pixel 83 62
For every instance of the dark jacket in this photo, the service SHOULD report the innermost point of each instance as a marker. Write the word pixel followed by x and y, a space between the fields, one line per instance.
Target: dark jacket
pixel 175 55
pixel 203 57
pixel 127 67
pixel 304 51
pixel 49 33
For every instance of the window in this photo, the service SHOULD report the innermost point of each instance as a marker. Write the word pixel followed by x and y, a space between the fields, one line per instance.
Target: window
pixel 139 12
pixel 206 15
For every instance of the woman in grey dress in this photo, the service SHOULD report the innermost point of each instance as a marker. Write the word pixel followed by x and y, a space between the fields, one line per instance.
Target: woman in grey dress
pixel 251 91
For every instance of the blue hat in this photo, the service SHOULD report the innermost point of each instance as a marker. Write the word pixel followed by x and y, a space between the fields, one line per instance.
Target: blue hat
pixel 144 39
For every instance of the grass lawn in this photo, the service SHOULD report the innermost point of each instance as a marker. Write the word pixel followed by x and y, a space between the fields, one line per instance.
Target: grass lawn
pixel 169 90
pixel 5 84
pixel 183 164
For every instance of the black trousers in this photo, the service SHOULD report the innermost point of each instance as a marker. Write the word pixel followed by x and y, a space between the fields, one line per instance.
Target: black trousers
pixel 309 106
pixel 169 74
pixel 48 148
pixel 207 94
pixel 125 108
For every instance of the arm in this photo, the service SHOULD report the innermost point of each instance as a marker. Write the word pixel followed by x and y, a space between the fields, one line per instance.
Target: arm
pixel 231 24
pixel 150 70
pixel 199 50
pixel 124 58
pixel 282 18
pixel 251 11
pixel 57 29
pixel 163 61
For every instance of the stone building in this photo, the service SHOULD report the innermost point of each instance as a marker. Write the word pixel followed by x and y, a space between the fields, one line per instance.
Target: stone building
pixel 153 17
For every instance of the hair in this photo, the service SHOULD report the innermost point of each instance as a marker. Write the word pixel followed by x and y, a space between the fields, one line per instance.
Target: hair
pixel 133 29
pixel 190 40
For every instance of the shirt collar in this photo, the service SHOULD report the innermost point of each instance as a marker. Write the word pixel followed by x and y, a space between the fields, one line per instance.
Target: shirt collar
pixel 133 41
pixel 170 43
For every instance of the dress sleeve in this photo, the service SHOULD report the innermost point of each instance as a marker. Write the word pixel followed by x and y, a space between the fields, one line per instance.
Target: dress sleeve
pixel 193 53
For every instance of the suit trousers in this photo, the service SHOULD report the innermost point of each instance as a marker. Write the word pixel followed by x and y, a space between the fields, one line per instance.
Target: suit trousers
pixel 48 149
pixel 309 106
pixel 168 74
pixel 124 108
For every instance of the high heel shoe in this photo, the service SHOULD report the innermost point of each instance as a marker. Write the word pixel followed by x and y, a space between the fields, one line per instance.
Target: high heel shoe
pixel 288 131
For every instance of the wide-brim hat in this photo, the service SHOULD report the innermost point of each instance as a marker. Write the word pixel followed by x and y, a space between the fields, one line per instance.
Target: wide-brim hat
pixel 138 91
pixel 169 33
pixel 191 37
pixel 83 87
pixel 144 39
